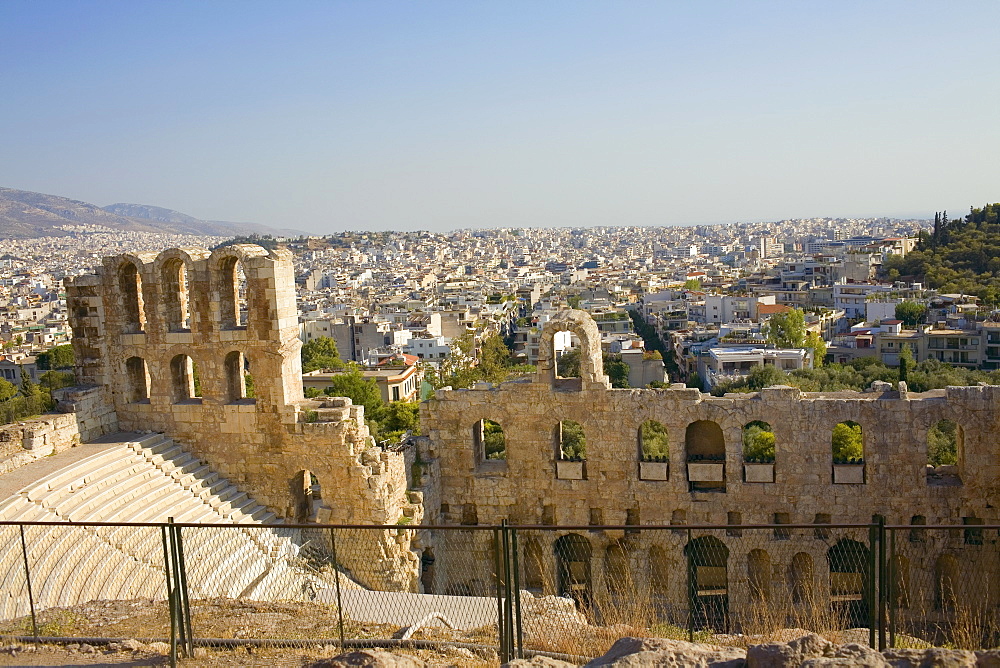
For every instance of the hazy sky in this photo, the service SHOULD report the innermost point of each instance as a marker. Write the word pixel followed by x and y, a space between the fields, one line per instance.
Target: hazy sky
pixel 326 116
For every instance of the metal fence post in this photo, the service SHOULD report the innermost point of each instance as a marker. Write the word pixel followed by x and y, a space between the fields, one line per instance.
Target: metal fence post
pixel 871 601
pixel 182 588
pixel 27 577
pixel 519 636
pixel 893 594
pixel 501 622
pixel 170 595
pixel 883 589
pixel 336 574
pixel 692 576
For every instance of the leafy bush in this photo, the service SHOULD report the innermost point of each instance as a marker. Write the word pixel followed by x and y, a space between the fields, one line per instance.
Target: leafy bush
pixel 848 446
pixel 758 443
pixel 573 442
pixel 654 441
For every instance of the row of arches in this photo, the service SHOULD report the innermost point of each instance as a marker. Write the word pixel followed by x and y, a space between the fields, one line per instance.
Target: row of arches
pixel 229 289
pixel 185 379
pixel 705 574
pixel 705 442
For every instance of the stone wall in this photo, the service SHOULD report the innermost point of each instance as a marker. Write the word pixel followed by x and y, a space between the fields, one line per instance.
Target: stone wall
pixel 527 486
pixel 176 339
pixel 85 415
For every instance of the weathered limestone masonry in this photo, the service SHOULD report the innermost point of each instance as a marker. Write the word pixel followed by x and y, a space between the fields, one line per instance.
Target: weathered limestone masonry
pixel 526 488
pixel 176 337
pixel 86 416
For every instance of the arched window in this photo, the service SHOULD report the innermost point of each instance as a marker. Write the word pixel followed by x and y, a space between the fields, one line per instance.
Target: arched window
pixel 534 568
pixel 847 442
pixel 654 443
pixel 758 442
pixel 705 447
pixel 239 382
pixel 944 450
pixel 185 383
pixel 659 571
pixel 802 580
pixel 130 289
pixel 759 575
pixel 137 379
pixel 232 294
pixel 617 575
pixel 572 441
pixel 174 282
pixel 945 582
pixel 899 595
pixel 489 441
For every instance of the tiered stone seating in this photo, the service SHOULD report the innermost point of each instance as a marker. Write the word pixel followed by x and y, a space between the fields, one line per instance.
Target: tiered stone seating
pixel 145 479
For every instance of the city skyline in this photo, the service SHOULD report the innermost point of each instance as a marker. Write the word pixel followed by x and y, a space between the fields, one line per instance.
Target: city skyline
pixel 349 116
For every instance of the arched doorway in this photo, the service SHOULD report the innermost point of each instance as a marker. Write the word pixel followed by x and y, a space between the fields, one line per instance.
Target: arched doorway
pixel 573 556
pixel 849 582
pixel 708 582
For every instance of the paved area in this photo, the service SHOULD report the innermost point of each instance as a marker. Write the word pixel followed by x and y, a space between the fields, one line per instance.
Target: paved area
pixel 13 482
pixel 404 609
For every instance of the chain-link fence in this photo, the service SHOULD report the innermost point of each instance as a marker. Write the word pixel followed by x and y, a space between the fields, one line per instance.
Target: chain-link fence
pixel 499 591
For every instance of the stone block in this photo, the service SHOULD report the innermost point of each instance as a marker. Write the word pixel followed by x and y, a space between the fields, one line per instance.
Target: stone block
pixel 758 472
pixel 706 471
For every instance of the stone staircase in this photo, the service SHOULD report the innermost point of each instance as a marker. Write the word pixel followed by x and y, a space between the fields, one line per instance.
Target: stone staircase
pixel 143 478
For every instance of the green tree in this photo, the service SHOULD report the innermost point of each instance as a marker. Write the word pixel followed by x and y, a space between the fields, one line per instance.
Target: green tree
pixel 8 390
pixel 401 416
pixel 59 357
pixel 847 442
pixel 53 380
pixel 320 353
pixel 362 391
pixel 692 284
pixel 758 442
pixel 911 313
pixel 905 363
pixel 617 370
pixel 574 301
pixel 818 346
pixel 786 330
pixel 568 364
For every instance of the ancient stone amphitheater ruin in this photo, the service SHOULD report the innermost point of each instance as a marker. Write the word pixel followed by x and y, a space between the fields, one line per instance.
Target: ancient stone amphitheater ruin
pixel 163 345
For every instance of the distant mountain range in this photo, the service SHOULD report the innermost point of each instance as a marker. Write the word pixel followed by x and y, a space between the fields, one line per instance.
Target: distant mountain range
pixel 26 215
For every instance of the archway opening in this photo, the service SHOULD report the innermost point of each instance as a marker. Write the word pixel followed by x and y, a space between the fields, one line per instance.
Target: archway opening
pixel 130 288
pixel 945 582
pixel 137 379
pixel 758 443
pixel 705 448
pixel 573 556
pixel 534 569
pixel 944 451
pixel 572 441
pixel 708 582
pixel 848 561
pixel 233 294
pixel 489 441
pixel 759 576
pixel 174 282
pixel 239 381
pixel 185 383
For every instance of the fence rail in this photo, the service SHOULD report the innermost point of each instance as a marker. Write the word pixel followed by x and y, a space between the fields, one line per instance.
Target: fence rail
pixel 563 591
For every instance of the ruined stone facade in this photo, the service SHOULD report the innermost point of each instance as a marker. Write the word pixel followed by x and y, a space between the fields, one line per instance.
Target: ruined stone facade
pixel 171 341
pixel 178 338
pixel 706 480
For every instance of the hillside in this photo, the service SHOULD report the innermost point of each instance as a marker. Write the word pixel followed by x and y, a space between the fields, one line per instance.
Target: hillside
pixel 960 255
pixel 26 215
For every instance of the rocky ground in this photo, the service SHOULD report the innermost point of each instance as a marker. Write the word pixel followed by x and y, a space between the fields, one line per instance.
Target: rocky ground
pixel 550 624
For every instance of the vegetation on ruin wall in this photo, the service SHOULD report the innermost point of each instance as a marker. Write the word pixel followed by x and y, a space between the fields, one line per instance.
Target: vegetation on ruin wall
pixel 386 422
pixel 958 256
pixel 858 375
pixel 568 366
